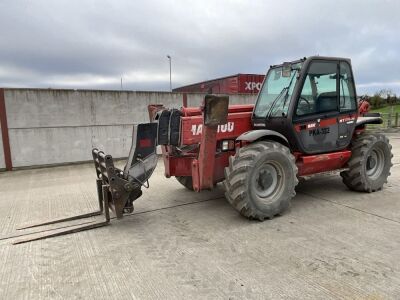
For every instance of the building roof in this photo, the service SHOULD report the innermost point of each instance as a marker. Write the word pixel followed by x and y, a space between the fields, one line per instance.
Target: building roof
pixel 219 78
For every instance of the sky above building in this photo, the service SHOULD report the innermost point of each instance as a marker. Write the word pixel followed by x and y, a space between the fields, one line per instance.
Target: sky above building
pixel 90 44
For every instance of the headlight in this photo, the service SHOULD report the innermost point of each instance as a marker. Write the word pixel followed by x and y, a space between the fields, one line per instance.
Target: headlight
pixel 228 145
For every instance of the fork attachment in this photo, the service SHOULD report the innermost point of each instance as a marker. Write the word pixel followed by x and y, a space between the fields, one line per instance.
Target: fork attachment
pixel 116 188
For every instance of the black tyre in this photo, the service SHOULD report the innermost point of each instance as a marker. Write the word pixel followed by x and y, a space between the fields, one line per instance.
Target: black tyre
pixel 260 180
pixel 370 163
pixel 186 181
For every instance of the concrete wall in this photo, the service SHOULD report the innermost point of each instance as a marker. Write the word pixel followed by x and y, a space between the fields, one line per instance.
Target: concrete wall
pixel 61 126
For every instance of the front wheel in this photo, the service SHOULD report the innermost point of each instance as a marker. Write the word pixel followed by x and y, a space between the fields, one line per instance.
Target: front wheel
pixel 370 163
pixel 260 180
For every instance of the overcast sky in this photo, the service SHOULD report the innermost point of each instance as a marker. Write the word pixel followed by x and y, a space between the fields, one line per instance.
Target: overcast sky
pixel 92 44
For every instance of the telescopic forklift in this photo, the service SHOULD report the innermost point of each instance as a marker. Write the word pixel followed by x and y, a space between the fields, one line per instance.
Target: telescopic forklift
pixel 306 120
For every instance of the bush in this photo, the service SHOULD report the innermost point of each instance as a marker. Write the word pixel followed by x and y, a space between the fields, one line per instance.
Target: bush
pixel 377 101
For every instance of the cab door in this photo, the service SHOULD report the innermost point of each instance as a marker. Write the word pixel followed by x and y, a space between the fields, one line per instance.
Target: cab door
pixel 315 118
pixel 347 105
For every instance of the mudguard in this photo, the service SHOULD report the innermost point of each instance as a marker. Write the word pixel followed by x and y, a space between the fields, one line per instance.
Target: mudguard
pixel 253 135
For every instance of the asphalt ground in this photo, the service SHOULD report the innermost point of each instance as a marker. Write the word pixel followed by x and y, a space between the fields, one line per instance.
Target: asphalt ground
pixel 332 244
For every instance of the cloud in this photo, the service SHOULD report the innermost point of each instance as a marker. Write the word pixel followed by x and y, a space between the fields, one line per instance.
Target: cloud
pixel 92 44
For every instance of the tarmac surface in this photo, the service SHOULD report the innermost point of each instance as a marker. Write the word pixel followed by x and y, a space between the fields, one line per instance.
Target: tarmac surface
pixel 332 244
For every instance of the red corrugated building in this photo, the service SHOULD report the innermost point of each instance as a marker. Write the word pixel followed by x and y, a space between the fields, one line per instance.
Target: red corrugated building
pixel 234 84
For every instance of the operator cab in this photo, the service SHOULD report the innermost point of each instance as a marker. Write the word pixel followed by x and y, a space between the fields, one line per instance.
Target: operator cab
pixel 312 102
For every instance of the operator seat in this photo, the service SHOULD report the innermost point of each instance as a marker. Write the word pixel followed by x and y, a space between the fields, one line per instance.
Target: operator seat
pixel 326 102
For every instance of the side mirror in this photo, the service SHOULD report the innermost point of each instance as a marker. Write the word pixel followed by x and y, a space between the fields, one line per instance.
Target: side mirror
pixel 215 110
pixel 286 69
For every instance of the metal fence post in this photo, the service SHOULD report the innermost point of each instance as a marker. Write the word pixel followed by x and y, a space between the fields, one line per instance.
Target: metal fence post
pixel 396 120
pixel 4 132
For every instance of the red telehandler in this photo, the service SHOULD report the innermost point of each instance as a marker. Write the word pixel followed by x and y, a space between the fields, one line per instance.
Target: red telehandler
pixel 306 120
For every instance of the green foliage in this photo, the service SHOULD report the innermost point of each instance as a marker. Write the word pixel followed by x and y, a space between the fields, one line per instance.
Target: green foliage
pixel 377 101
pixel 387 109
pixel 383 98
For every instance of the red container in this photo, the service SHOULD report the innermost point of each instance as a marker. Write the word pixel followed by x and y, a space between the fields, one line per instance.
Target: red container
pixel 235 84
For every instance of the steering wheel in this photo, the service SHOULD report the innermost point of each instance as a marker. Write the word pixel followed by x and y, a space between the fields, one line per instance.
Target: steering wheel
pixel 306 101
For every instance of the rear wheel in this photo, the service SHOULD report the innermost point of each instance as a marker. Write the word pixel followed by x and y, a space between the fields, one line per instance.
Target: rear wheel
pixel 260 180
pixel 370 163
pixel 186 181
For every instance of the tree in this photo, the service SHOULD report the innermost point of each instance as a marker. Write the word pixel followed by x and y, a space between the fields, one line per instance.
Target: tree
pixel 376 100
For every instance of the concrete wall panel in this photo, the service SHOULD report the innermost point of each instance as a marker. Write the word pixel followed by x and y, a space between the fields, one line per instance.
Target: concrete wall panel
pixel 114 140
pixel 47 108
pixel 61 126
pixel 129 107
pixel 46 146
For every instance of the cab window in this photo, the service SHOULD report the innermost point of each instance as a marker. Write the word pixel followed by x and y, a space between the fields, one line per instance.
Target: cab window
pixel 347 98
pixel 319 93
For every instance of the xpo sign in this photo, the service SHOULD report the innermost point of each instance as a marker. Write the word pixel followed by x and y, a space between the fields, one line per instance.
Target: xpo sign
pixel 253 86
pixel 250 83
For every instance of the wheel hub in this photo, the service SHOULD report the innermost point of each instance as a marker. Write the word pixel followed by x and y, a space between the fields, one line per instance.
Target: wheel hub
pixel 267 180
pixel 371 162
pixel 375 163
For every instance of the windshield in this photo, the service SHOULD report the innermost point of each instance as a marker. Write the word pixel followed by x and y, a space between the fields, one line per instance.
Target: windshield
pixel 274 97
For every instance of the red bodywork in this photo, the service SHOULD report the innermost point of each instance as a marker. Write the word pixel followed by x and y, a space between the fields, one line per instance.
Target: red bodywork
pixel 363 106
pixel 205 162
pixel 235 84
